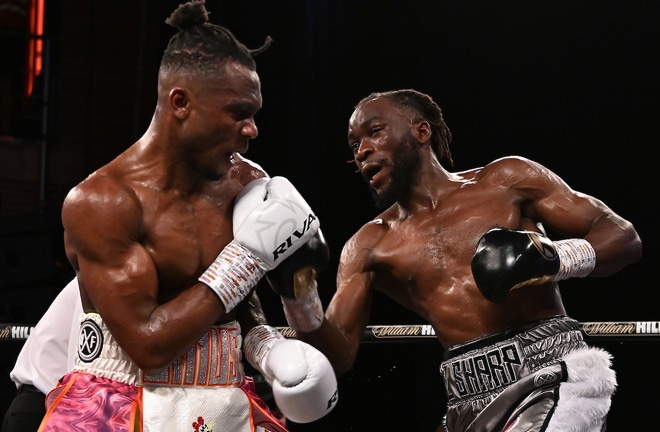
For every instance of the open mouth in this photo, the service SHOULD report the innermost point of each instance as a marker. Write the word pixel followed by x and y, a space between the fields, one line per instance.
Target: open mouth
pixel 370 170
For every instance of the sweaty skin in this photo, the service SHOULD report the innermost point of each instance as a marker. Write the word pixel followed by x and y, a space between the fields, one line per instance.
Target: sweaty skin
pixel 140 230
pixel 419 250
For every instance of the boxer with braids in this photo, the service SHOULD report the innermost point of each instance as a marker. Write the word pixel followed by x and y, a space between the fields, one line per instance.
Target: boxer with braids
pixel 468 252
pixel 423 107
pixel 167 251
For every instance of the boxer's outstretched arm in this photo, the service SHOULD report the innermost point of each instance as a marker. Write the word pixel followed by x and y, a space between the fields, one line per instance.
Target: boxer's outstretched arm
pixel 348 313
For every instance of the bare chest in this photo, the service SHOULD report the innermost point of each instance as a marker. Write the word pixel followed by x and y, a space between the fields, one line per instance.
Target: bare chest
pixel 183 237
pixel 423 255
pixel 429 255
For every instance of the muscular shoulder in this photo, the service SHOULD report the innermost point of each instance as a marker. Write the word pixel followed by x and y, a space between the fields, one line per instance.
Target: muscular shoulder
pixel 100 204
pixel 518 173
pixel 100 190
pixel 510 169
pixel 360 246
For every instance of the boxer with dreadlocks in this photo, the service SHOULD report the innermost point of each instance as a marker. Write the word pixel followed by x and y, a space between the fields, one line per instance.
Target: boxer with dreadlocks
pixel 468 252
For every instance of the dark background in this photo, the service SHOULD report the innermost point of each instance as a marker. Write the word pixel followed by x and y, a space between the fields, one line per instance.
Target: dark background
pixel 570 84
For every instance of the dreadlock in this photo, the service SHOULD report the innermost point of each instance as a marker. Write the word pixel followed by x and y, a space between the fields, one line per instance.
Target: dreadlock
pixel 423 106
pixel 200 46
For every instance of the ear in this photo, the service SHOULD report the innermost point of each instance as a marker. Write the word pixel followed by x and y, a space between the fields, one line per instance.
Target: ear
pixel 180 102
pixel 422 131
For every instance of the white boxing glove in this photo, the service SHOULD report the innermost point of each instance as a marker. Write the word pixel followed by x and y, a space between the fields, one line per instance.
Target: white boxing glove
pixel 271 221
pixel 303 381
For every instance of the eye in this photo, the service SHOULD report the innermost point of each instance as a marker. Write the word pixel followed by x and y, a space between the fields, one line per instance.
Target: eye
pixel 374 130
pixel 242 111
pixel 354 146
pixel 243 115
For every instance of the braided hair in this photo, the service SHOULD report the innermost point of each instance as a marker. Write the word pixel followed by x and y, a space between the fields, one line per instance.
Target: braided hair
pixel 424 107
pixel 201 47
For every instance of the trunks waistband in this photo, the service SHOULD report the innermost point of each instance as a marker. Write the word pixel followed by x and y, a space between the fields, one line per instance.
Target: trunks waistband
pixel 484 341
pixel 215 360
pixel 488 365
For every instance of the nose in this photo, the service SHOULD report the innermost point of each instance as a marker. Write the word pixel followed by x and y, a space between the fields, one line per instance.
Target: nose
pixel 249 129
pixel 363 150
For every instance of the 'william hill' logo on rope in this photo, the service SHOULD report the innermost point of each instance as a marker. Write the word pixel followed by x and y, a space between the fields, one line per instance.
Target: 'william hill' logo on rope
pixel 633 328
pixel 395 331
pixel 15 332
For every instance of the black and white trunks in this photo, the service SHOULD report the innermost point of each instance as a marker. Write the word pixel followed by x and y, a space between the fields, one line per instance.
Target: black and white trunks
pixel 514 376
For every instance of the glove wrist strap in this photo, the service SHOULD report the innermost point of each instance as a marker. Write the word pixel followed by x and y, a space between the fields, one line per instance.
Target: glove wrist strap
pixel 258 342
pixel 233 274
pixel 577 258
pixel 304 314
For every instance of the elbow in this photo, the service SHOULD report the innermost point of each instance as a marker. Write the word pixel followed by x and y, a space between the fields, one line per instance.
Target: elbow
pixel 153 365
pixel 150 356
pixel 633 247
pixel 624 251
pixel 637 252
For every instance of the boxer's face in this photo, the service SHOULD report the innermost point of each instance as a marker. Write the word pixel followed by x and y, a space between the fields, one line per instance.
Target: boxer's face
pixel 220 121
pixel 384 149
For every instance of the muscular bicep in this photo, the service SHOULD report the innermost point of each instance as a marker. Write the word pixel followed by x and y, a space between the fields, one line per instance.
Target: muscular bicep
pixel 570 213
pixel 116 273
pixel 119 280
pixel 547 198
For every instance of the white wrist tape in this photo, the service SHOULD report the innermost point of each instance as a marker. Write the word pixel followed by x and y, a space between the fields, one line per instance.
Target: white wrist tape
pixel 304 314
pixel 257 344
pixel 577 258
pixel 233 274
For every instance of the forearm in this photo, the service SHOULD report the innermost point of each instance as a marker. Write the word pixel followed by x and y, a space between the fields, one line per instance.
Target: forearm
pixel 337 346
pixel 617 244
pixel 154 336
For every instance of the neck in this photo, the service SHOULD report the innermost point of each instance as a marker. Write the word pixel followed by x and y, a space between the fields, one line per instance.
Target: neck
pixel 427 187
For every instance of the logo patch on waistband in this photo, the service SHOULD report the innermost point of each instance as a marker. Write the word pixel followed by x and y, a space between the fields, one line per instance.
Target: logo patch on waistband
pixel 90 341
pixel 544 378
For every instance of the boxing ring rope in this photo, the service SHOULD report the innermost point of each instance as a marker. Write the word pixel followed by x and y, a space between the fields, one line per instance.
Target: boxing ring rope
pixel 596 330
pixel 593 330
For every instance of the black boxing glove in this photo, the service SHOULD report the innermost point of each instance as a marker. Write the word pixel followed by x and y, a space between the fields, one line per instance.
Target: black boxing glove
pixel 507 259
pixel 294 279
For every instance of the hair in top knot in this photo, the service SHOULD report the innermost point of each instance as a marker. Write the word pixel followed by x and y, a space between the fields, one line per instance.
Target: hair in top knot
pixel 188 15
pixel 201 47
